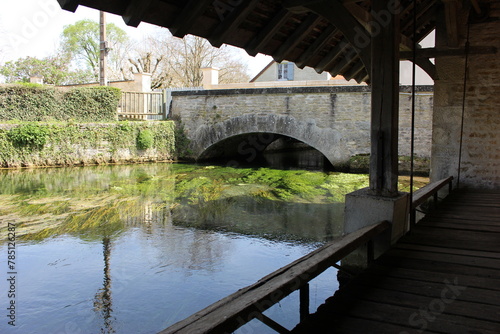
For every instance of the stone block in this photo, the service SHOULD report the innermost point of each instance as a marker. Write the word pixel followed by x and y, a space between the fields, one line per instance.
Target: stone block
pixel 364 209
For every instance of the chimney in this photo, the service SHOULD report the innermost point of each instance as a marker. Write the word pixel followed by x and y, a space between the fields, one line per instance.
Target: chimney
pixel 210 77
pixel 37 79
pixel 142 82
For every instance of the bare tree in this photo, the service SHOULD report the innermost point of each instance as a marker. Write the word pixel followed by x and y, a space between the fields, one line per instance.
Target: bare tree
pixel 152 57
pixel 175 62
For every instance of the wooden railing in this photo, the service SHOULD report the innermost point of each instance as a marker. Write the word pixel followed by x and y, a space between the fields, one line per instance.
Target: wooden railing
pixel 423 194
pixel 142 106
pixel 234 311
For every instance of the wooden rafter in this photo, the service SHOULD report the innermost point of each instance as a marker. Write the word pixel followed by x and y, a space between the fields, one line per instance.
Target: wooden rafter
pixel 70 5
pixel 337 51
pixel 296 37
pixel 428 67
pixel 365 18
pixel 267 33
pixel 297 4
pixel 318 45
pixel 135 12
pixel 232 22
pixel 187 17
pixel 341 64
pixel 354 71
pixel 451 17
pixel 362 76
pixel 435 53
pixel 346 36
pixel 335 12
pixel 425 12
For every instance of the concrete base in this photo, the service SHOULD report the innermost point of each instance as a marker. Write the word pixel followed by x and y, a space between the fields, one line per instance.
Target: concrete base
pixel 364 209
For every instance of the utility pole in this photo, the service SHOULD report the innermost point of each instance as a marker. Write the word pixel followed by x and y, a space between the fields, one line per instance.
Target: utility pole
pixel 103 78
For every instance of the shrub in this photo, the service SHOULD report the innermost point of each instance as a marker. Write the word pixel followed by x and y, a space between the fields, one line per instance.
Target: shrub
pixel 92 104
pixel 32 103
pixel 145 139
pixel 33 136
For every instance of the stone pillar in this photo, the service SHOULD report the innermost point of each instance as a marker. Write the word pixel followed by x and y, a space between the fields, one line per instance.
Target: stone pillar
pixel 37 79
pixel 210 77
pixel 142 82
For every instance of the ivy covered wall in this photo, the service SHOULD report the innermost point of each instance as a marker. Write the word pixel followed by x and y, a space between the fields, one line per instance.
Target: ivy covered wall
pixel 67 143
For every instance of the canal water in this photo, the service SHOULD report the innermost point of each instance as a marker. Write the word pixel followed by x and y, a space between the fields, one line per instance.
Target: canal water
pixel 134 249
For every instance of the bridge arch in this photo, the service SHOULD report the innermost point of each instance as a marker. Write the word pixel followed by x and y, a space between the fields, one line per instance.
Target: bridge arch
pixel 268 127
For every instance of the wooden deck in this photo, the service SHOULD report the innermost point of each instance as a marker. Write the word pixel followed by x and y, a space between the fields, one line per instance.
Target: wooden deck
pixel 443 277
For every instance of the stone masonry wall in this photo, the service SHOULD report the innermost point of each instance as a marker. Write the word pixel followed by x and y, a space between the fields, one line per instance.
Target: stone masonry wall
pixel 480 158
pixel 334 120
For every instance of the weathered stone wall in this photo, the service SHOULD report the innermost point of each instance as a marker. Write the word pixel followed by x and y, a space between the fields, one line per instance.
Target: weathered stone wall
pixel 334 120
pixel 68 144
pixel 480 157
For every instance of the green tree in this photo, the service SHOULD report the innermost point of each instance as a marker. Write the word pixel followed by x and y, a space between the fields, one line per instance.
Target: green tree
pixel 54 70
pixel 80 41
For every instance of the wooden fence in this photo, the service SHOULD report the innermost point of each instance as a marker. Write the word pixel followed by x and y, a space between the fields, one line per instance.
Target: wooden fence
pixel 143 106
pixel 149 106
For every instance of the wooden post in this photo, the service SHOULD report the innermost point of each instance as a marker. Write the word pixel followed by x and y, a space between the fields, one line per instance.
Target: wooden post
pixel 103 78
pixel 385 99
pixel 304 301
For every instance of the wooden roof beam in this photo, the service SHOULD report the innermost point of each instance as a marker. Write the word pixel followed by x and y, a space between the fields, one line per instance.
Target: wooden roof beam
pixel 428 67
pixel 354 71
pixel 451 17
pixel 340 65
pixel 337 51
pixel 295 5
pixel 437 53
pixel 267 33
pixel 335 12
pixel 296 37
pixel 425 13
pixel 188 15
pixel 232 22
pixel 365 18
pixel 69 5
pixel 135 11
pixel 362 77
pixel 318 45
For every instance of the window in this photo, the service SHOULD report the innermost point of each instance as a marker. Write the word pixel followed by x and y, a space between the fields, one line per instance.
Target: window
pixel 285 71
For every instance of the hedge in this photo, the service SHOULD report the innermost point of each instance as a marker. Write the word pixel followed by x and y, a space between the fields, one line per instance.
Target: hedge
pixel 67 144
pixel 32 103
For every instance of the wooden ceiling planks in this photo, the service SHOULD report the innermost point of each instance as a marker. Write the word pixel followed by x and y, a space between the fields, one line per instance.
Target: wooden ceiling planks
pixel 315 33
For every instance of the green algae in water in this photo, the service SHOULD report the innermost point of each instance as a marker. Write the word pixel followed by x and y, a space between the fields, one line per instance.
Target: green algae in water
pixel 95 201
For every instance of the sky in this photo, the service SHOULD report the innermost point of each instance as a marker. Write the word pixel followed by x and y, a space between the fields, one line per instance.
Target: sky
pixel 33 28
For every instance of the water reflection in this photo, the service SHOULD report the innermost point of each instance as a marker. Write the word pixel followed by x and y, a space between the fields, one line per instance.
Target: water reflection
pixel 103 303
pixel 100 201
pixel 158 242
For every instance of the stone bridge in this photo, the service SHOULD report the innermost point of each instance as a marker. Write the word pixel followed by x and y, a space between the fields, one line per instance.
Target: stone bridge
pixel 333 120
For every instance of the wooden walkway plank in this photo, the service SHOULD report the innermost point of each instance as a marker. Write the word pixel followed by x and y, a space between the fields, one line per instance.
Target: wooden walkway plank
pixel 462 226
pixel 440 267
pixel 455 251
pixel 406 299
pixel 471 261
pixel 465 293
pixel 443 277
pixel 437 277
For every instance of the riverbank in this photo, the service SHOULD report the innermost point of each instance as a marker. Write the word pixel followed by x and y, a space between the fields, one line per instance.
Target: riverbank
pixel 38 144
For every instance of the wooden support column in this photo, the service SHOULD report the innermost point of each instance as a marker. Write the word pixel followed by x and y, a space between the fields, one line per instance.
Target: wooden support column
pixel 385 99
